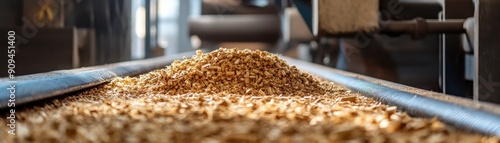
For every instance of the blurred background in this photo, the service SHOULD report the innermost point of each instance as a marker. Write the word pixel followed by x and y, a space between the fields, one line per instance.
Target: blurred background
pixel 66 34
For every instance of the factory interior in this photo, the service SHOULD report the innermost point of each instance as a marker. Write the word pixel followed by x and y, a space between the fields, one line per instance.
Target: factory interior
pixel 244 71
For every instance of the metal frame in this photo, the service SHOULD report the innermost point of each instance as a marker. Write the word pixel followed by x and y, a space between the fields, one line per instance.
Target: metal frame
pixel 452 65
pixel 486 51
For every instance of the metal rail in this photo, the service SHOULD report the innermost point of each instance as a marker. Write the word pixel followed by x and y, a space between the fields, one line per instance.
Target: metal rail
pixel 40 86
pixel 461 113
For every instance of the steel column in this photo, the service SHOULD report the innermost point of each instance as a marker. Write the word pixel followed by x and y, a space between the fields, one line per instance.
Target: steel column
pixel 487 51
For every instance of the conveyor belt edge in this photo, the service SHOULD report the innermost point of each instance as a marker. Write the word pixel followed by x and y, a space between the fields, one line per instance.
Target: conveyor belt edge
pixel 457 115
pixel 30 88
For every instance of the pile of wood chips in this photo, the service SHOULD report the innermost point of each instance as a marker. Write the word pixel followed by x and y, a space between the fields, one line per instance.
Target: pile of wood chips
pixel 227 95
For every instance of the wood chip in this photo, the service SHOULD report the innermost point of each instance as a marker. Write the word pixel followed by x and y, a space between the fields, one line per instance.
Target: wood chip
pixel 228 95
pixel 350 98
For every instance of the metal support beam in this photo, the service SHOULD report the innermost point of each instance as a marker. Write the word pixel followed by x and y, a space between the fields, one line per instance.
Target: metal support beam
pixel 452 65
pixel 147 38
pixel 487 51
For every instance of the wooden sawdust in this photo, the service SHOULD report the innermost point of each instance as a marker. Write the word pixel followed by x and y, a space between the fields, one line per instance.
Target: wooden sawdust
pixel 227 95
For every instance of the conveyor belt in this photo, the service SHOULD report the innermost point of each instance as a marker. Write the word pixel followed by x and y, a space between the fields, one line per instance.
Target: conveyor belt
pixel 481 118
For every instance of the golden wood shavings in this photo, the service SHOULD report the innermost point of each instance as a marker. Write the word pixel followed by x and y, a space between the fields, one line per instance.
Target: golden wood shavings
pixel 227 95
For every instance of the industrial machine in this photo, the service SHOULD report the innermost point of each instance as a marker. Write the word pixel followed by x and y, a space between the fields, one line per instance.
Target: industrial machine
pixel 430 44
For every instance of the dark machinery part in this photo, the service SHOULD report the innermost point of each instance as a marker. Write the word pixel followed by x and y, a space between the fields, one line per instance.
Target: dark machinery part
pixel 237 21
pixel 394 20
pixel 408 9
pixel 454 64
pixel 236 28
pixel 451 52
pixel 486 51
pixel 419 27
pixel 235 8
